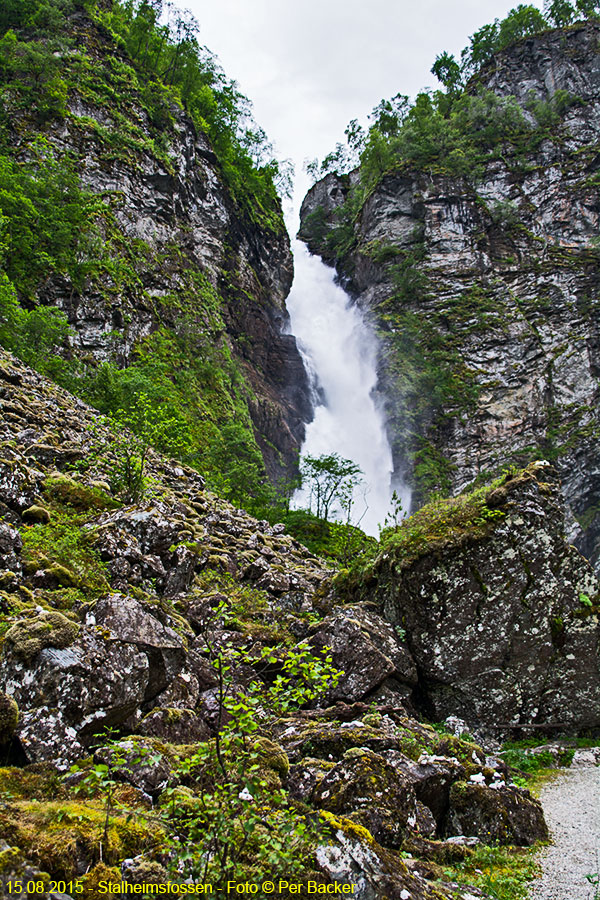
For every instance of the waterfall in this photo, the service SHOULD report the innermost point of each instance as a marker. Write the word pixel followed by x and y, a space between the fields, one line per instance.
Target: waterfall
pixel 340 353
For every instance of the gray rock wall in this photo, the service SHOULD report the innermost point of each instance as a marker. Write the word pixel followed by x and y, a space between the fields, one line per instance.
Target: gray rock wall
pixel 492 354
pixel 503 627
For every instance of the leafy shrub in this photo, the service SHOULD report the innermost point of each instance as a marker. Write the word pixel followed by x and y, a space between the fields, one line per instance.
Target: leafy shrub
pixel 239 822
pixel 137 430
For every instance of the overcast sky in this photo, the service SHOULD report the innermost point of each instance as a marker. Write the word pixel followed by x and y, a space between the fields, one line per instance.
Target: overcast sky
pixel 310 67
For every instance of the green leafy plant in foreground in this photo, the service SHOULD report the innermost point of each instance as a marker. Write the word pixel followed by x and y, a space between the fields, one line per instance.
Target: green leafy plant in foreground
pixel 239 821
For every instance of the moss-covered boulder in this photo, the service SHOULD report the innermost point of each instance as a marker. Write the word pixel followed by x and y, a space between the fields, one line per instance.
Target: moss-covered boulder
pixel 368 790
pixel 67 693
pixel 496 815
pixel 16 871
pixel 29 636
pixel 352 855
pixel 36 515
pixel 330 740
pixel 176 726
pixel 305 775
pixel 272 756
pixel 65 837
pixel 499 610
pixel 65 490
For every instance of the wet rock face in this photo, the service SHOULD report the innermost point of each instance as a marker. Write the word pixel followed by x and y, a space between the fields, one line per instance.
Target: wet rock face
pixel 507 286
pixel 503 629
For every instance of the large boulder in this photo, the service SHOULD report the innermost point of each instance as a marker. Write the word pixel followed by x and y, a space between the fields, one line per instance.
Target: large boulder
pixel 496 815
pixel 367 789
pixel 71 681
pixel 67 695
pixel 365 649
pixel 130 622
pixel 351 856
pixel 431 777
pixel 500 611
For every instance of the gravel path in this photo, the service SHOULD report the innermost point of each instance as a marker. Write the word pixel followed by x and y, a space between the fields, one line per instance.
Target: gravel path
pixel 572 807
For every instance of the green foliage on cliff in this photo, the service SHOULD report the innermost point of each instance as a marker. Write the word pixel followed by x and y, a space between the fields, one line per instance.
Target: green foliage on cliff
pixel 40 60
pixel 116 76
pixel 455 131
pixel 169 56
pixel 46 220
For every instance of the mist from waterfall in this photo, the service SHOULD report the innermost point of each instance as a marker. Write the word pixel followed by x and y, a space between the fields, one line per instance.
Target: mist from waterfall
pixel 340 353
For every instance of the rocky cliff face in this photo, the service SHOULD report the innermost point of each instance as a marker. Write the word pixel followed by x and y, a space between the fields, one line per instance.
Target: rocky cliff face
pixel 485 291
pixel 170 248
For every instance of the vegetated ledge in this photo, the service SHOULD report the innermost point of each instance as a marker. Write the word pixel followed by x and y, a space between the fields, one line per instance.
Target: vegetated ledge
pixel 500 612
pixel 115 612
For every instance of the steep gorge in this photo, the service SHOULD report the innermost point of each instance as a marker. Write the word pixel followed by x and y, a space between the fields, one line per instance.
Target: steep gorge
pixel 233 707
pixel 170 273
pixel 484 287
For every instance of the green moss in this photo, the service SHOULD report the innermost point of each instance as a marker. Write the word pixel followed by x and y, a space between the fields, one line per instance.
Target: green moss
pixel 10 860
pixel 413 744
pixel 464 750
pixel 440 525
pixel 65 577
pixel 64 550
pixel 58 835
pixel 66 491
pixel 39 781
pixel 9 717
pixel 47 629
pixel 272 756
pixel 91 881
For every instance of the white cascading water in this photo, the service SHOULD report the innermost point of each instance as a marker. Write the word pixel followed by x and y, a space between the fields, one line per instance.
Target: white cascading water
pixel 340 352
